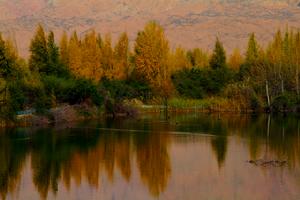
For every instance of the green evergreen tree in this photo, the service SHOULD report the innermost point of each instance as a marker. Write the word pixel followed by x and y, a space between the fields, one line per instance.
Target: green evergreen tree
pixel 5 61
pixel 54 65
pixel 252 50
pixel 252 57
pixel 38 60
pixel 218 59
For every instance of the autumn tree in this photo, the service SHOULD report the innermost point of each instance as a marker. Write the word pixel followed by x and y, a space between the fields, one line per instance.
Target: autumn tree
pixel 151 53
pixel 198 58
pixel 121 53
pixel 74 55
pixel 178 60
pixel 107 60
pixel 252 50
pixel 236 60
pixel 91 57
pixel 64 50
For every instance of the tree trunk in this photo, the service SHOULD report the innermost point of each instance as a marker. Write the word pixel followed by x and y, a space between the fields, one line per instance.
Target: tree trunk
pixel 297 79
pixel 267 93
pixel 282 86
pixel 280 77
pixel 166 108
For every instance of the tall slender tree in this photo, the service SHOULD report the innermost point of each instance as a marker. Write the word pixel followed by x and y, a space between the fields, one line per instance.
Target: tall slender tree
pixel 151 54
pixel 38 60
pixel 218 58
pixel 54 64
pixel 64 50
pixel 75 58
pixel 121 53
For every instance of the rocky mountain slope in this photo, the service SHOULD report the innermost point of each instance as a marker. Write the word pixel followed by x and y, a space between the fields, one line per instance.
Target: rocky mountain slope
pixel 189 23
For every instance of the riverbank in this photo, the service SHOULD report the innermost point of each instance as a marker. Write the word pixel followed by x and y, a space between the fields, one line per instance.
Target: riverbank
pixel 66 113
pixel 62 114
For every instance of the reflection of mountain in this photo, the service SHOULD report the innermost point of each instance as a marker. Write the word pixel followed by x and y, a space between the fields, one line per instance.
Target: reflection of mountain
pixel 189 23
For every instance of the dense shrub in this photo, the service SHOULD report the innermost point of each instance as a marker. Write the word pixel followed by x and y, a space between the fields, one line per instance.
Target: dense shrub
pixel 121 89
pixel 284 102
pixel 199 83
pixel 70 90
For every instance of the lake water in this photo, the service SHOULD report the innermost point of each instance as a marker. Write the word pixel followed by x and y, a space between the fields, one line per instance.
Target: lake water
pixel 190 156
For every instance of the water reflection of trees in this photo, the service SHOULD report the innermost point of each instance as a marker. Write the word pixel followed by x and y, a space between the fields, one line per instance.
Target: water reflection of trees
pixel 153 161
pixel 83 155
pixel 77 155
pixel 12 158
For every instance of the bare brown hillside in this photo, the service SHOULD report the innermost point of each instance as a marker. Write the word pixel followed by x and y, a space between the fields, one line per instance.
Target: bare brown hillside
pixel 189 23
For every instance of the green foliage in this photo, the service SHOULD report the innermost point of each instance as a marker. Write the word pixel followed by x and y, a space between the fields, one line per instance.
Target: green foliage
pixel 17 95
pixel 252 50
pixel 218 58
pixel 126 89
pixel 284 102
pixel 38 60
pixel 73 91
pixel 55 65
pixel 199 83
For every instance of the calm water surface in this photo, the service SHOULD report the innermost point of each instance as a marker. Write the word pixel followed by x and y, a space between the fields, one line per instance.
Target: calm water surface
pixel 189 157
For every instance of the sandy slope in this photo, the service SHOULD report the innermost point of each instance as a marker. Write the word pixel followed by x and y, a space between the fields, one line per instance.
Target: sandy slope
pixel 189 23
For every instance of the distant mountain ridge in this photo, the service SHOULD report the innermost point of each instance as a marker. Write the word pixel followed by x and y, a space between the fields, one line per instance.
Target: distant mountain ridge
pixel 189 23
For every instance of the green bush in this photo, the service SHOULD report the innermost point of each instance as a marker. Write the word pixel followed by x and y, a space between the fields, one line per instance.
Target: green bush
pixel 72 91
pixel 121 89
pixel 198 83
pixel 284 102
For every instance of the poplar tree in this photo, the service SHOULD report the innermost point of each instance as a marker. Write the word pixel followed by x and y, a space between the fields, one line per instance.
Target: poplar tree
pixel 75 58
pixel 236 59
pixel 121 53
pixel 107 58
pixel 91 55
pixel 178 60
pixel 198 58
pixel 151 54
pixel 64 50
pixel 252 50
pixel 252 57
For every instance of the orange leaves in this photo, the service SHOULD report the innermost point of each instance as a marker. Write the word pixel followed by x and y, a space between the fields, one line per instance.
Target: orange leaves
pixel 236 60
pixel 151 54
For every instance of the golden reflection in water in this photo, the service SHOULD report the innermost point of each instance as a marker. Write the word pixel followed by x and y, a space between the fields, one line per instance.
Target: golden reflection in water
pixel 163 162
pixel 153 161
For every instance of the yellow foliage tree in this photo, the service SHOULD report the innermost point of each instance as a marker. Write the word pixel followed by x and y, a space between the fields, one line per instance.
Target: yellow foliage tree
pixel 91 58
pixel 121 51
pixel 64 51
pixel 107 57
pixel 74 54
pixel 178 60
pixel 151 54
pixel 236 59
